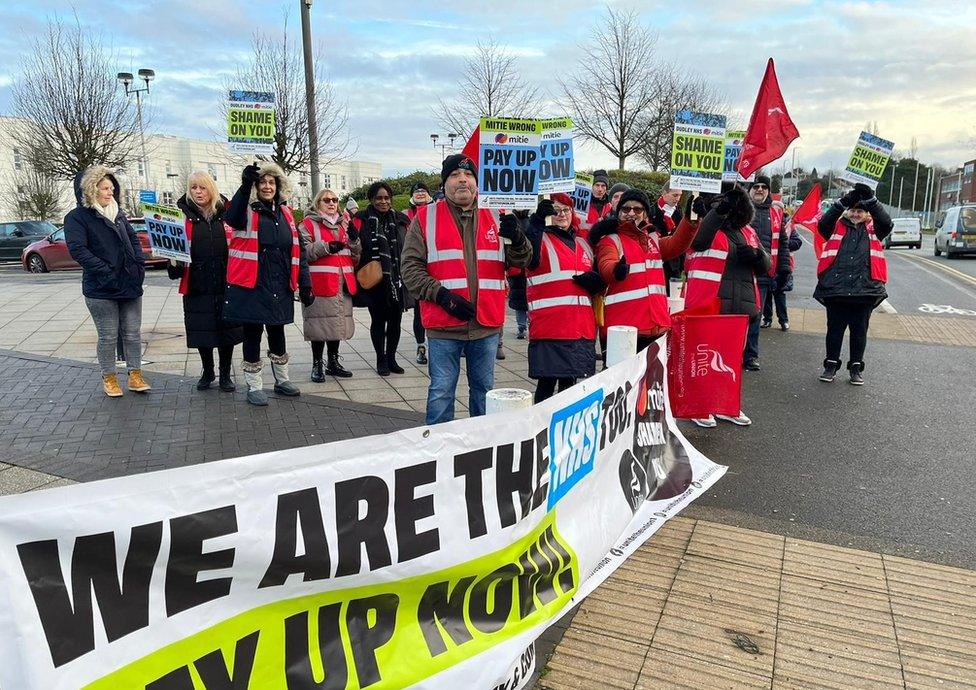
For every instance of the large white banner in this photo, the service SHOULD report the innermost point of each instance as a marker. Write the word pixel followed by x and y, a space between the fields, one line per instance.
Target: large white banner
pixel 428 558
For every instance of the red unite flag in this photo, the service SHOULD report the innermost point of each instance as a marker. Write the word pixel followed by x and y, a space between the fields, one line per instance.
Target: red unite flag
pixel 808 215
pixel 471 148
pixel 705 364
pixel 770 128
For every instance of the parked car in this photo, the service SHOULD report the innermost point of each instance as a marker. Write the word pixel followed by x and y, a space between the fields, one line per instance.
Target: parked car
pixel 17 234
pixel 51 252
pixel 905 231
pixel 955 231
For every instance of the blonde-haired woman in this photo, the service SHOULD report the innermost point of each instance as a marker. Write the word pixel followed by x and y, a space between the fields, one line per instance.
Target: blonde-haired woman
pixel 332 250
pixel 204 281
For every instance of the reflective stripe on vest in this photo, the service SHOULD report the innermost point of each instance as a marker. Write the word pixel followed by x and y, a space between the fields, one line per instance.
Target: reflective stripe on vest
pixel 705 271
pixel 559 309
pixel 639 299
pixel 879 265
pixel 330 270
pixel 242 254
pixel 445 263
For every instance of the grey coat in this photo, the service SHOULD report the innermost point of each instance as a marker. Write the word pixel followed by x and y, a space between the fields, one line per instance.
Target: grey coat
pixel 329 318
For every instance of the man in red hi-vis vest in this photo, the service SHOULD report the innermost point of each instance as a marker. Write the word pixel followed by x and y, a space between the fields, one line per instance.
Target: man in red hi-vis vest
pixel 454 261
pixel 768 223
pixel 852 273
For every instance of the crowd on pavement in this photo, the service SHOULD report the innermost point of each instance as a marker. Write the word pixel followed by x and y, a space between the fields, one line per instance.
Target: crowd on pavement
pixel 568 277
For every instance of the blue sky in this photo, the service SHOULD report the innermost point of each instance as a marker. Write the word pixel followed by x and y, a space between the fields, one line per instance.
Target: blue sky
pixel 908 66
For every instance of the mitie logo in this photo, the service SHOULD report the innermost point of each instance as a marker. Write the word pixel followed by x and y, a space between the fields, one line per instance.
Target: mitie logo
pixel 708 359
pixel 573 444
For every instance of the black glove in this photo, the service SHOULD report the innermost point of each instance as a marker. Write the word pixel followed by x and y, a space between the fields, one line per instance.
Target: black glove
pixel 352 233
pixel 521 214
pixel 306 296
pixel 863 192
pixel 335 246
pixel 701 203
pixel 657 220
pixel 455 305
pixel 544 210
pixel 622 269
pixel 508 226
pixel 590 281
pixel 251 174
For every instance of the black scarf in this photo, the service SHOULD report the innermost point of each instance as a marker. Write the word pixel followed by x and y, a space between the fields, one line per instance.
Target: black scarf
pixel 385 246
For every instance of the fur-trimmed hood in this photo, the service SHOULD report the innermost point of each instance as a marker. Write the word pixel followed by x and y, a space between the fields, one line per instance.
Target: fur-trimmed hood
pixel 284 186
pixel 86 184
pixel 742 210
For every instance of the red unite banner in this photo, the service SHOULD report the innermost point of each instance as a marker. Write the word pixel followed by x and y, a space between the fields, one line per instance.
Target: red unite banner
pixel 705 364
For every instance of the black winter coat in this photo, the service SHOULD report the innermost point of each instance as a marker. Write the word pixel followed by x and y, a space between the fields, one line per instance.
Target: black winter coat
pixel 385 246
pixel 203 305
pixel 109 253
pixel 849 276
pixel 736 292
pixel 271 301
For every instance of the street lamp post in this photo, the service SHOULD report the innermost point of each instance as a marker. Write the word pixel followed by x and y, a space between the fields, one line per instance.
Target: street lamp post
pixel 313 129
pixel 444 147
pixel 147 75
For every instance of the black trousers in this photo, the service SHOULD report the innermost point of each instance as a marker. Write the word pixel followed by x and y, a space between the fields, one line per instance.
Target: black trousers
pixel 546 387
pixel 318 347
pixel 384 329
pixel 844 316
pixel 418 327
pixel 252 340
pixel 226 355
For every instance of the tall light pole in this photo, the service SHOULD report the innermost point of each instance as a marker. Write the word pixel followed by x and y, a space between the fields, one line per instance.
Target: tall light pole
pixel 147 75
pixel 444 147
pixel 313 130
pixel 915 186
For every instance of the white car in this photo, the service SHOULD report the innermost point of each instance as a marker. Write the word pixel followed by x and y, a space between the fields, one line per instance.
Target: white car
pixel 955 231
pixel 905 231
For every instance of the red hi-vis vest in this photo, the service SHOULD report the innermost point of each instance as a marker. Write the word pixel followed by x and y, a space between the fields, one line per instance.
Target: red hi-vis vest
pixel 445 262
pixel 327 270
pixel 242 254
pixel 704 271
pixel 640 299
pixel 879 266
pixel 185 278
pixel 592 216
pixel 775 227
pixel 559 309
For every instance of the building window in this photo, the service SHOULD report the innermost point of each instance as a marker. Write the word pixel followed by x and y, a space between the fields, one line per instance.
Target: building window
pixel 327 181
pixel 212 169
pixel 167 198
pixel 142 169
pixel 342 182
pixel 169 167
pixel 18 160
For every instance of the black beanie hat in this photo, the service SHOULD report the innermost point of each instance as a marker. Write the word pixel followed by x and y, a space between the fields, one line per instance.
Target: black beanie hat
pixel 418 186
pixel 764 179
pixel 457 161
pixel 634 195
pixel 601 176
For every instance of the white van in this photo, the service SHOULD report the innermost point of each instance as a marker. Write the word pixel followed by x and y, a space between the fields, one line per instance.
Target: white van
pixel 905 231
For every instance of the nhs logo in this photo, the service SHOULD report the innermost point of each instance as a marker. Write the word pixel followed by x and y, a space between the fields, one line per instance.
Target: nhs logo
pixel 573 435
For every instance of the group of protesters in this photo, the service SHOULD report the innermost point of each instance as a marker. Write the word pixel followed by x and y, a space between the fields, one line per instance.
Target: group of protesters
pixel 569 277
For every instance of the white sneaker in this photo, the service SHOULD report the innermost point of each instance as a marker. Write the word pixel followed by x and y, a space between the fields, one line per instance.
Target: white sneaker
pixel 740 420
pixel 706 422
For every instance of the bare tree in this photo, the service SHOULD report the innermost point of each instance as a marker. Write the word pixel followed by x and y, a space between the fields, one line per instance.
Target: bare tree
pixel 33 196
pixel 490 85
pixel 614 83
pixel 276 65
pixel 73 112
pixel 676 90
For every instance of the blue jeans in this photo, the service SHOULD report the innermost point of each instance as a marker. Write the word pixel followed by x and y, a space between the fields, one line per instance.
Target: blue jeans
pixel 114 318
pixel 752 336
pixel 522 319
pixel 444 367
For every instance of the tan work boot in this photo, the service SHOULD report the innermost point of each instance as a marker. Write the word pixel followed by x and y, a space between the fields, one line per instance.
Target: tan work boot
pixel 110 384
pixel 137 383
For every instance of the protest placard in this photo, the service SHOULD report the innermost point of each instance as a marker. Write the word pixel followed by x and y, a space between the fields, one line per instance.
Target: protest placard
pixel 251 122
pixel 427 558
pixel 733 150
pixel 508 163
pixel 556 166
pixel 167 232
pixel 868 160
pixel 582 193
pixel 698 151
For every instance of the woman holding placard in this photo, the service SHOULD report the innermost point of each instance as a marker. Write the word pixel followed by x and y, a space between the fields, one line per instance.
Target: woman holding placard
pixel 203 281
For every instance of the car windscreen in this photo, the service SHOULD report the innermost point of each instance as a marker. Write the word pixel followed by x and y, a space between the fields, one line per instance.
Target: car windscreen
pixel 967 220
pixel 36 228
pixel 906 223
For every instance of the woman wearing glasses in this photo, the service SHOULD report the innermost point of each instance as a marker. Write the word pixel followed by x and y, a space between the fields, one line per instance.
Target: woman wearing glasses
pixel 382 230
pixel 332 251
pixel 560 282
pixel 629 258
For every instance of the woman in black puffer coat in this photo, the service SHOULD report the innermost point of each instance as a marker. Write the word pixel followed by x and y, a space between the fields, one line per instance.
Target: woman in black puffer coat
pixel 851 275
pixel 204 281
pixel 381 233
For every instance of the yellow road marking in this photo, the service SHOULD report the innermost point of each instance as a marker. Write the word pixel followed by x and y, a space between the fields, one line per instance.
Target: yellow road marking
pixel 965 277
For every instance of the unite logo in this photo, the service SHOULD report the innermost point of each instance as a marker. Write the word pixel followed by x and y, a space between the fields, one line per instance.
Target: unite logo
pixel 707 359
pixel 573 433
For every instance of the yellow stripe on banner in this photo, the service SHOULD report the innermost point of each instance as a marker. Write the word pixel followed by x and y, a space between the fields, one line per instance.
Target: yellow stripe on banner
pixel 385 635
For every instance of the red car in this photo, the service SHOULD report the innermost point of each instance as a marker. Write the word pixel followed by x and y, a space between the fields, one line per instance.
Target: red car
pixel 51 253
